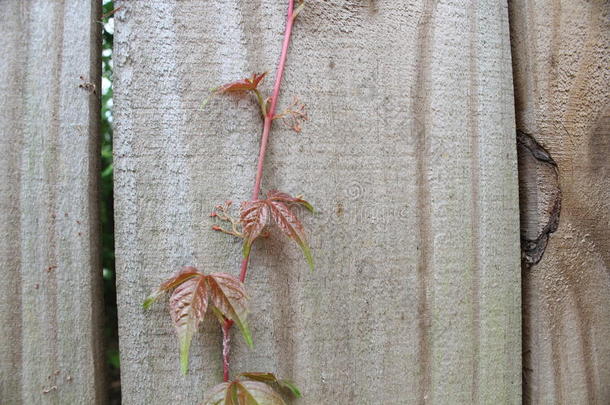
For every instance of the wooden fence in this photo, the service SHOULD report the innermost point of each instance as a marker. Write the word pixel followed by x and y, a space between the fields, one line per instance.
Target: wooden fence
pixel 410 155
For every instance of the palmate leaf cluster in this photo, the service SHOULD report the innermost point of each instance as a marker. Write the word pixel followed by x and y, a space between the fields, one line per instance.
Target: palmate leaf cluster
pixel 192 292
pixel 256 215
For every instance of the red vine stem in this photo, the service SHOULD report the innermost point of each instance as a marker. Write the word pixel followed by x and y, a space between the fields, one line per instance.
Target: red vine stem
pixel 269 119
pixel 274 97
pixel 259 169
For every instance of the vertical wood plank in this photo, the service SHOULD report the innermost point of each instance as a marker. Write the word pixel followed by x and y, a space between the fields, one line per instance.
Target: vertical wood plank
pixel 50 349
pixel 409 155
pixel 562 85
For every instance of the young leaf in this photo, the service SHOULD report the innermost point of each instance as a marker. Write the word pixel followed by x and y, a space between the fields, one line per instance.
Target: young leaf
pixel 188 304
pixel 288 222
pixel 231 395
pixel 298 9
pixel 217 394
pixel 254 216
pixel 229 296
pixel 270 378
pixel 249 392
pixel 242 85
pixel 262 377
pixel 275 195
pixel 247 84
pixel 258 393
pixel 289 385
pixel 180 277
pixel 243 395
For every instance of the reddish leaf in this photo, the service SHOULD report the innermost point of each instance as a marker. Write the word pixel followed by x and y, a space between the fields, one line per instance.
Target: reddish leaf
pixel 188 305
pixel 217 394
pixel 242 85
pixel 258 376
pixel 177 279
pixel 244 393
pixel 258 393
pixel 283 197
pixel 254 216
pixel 231 397
pixel 189 302
pixel 288 222
pixel 228 295
pixel 270 378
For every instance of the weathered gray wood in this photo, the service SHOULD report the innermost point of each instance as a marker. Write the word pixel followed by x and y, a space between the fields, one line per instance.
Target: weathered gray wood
pixel 561 56
pixel 409 155
pixel 50 301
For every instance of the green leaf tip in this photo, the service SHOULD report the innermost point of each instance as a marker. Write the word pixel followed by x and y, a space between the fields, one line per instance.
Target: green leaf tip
pixel 246 394
pixel 205 102
pixel 308 256
pixel 271 380
pixel 245 331
pixel 309 207
pixel 298 9
pixel 289 385
pixel 149 300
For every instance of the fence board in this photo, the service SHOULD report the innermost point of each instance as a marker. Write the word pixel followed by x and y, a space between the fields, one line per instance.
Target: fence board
pixel 409 155
pixel 562 82
pixel 50 304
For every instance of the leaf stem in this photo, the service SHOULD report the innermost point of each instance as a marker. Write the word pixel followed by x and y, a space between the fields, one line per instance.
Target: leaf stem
pixel 269 114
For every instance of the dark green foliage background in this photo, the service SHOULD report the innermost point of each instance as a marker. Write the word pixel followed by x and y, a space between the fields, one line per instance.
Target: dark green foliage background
pixel 107 214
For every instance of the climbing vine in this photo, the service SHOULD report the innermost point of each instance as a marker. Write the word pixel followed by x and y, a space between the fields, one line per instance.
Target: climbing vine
pixel 195 294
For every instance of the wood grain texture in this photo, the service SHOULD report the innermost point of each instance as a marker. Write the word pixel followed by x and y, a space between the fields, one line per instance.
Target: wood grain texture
pixel 50 302
pixel 409 155
pixel 561 54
